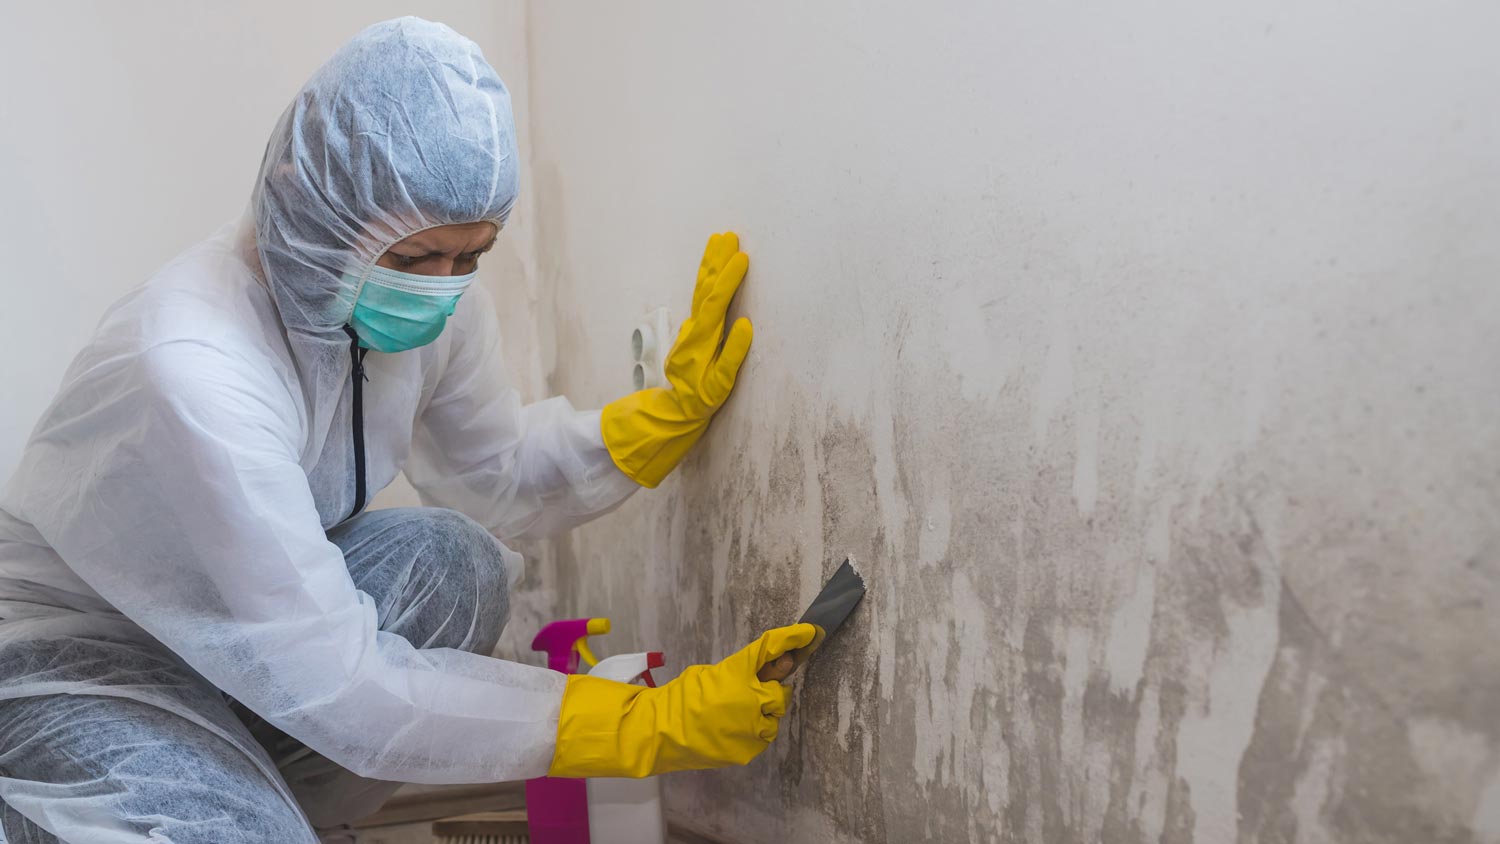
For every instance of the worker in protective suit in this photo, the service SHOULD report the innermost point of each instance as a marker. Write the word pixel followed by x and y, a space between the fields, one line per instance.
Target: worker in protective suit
pixel 204 637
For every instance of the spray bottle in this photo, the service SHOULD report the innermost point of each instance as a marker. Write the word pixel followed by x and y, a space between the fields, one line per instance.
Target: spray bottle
pixel 624 810
pixel 557 810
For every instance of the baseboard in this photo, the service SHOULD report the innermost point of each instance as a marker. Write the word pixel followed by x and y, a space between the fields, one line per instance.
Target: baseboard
pixel 680 831
pixel 447 802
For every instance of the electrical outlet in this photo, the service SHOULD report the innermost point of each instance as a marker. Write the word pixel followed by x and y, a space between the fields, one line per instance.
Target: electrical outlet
pixel 649 344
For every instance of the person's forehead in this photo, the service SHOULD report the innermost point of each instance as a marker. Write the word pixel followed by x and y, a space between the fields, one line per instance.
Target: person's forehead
pixel 462 236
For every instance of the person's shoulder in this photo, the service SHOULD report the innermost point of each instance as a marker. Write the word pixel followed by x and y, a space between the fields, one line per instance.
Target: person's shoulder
pixel 218 388
pixel 201 325
pixel 207 292
pixel 208 296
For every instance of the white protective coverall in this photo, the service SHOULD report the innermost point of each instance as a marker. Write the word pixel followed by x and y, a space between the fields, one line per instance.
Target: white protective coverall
pixel 180 488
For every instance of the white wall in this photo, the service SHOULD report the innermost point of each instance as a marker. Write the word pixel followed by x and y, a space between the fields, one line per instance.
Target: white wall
pixel 1145 356
pixel 131 130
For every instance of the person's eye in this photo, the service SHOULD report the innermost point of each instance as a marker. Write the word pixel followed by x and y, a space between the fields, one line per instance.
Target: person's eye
pixel 405 260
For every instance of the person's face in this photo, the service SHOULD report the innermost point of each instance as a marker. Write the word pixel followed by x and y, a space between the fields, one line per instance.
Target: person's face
pixel 443 250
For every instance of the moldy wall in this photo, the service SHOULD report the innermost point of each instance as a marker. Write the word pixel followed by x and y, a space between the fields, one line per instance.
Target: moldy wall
pixel 1143 357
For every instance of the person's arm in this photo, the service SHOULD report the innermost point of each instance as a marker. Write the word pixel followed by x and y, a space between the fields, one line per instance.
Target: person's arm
pixel 522 471
pixel 178 498
pixel 543 468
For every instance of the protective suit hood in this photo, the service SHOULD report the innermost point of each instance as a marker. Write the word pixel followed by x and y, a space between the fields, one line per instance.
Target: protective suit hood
pixel 405 128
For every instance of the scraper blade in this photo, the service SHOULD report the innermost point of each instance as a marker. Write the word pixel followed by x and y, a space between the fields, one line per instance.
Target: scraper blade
pixel 827 613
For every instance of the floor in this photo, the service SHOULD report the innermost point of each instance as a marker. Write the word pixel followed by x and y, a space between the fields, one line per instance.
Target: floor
pixel 408 817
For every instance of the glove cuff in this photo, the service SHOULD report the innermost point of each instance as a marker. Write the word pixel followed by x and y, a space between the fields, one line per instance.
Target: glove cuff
pixel 648 434
pixel 590 742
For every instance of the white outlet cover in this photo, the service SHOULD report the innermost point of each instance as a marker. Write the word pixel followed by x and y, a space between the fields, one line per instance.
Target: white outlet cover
pixel 650 341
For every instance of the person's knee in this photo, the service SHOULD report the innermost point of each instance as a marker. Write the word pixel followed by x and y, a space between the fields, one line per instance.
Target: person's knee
pixel 269 823
pixel 135 767
pixel 225 816
pixel 468 573
pixel 258 814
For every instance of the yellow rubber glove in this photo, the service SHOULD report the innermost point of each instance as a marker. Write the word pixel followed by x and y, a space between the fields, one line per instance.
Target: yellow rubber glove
pixel 709 717
pixel 650 431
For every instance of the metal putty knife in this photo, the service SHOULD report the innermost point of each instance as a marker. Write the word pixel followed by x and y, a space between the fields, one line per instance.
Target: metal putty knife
pixel 827 613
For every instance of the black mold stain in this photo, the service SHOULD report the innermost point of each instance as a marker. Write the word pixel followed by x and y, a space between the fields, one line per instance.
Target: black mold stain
pixel 1023 552
pixel 1349 723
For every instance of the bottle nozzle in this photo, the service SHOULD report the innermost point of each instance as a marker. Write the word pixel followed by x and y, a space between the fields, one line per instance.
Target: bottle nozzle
pixel 566 642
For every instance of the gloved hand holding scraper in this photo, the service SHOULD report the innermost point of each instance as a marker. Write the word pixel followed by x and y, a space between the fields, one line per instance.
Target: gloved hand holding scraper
pixel 827 613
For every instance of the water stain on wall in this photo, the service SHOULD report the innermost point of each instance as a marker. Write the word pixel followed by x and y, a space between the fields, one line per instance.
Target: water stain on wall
pixel 1163 427
pixel 1090 616
pixel 1139 673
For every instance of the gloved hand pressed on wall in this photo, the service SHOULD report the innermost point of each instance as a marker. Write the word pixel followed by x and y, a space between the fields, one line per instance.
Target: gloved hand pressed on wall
pixel 649 432
pixel 710 716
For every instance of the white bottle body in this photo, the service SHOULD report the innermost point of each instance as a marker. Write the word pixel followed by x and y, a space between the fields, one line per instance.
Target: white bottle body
pixel 625 811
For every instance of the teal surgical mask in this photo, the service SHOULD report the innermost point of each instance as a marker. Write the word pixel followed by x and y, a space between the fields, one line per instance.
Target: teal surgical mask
pixel 397 311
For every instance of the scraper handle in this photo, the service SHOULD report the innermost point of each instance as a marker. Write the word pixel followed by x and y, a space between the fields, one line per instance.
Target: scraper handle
pixel 777 670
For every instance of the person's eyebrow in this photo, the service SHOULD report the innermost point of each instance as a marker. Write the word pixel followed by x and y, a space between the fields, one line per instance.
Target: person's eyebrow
pixel 415 251
pixel 428 252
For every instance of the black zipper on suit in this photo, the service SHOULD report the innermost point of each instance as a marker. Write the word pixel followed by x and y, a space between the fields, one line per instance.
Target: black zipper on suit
pixel 357 358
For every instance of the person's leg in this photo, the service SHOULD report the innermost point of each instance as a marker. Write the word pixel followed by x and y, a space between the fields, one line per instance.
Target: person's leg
pixel 438 580
pixel 110 769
